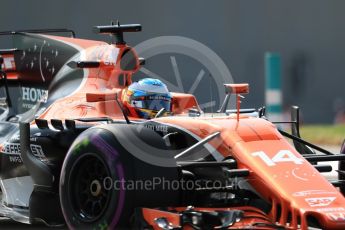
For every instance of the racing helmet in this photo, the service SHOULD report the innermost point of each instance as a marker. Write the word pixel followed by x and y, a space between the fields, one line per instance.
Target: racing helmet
pixel 147 97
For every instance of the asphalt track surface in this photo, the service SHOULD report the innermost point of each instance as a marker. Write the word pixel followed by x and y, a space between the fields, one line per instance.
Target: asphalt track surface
pixel 8 224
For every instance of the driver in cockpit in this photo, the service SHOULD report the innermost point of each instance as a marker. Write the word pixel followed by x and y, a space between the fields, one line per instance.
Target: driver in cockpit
pixel 146 98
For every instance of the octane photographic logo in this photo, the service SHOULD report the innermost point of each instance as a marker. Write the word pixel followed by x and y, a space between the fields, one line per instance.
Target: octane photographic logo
pixel 161 183
pixel 185 66
pixel 189 67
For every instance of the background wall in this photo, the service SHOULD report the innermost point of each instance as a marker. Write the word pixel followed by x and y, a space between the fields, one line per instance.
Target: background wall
pixel 310 36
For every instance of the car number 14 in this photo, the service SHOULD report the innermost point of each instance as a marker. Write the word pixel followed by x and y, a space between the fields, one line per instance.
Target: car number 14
pixel 281 156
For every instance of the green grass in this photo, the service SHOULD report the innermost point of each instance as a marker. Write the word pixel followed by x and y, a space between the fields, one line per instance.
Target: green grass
pixel 323 134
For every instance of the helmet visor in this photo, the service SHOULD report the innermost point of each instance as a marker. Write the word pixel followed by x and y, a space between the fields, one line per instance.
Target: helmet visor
pixel 155 104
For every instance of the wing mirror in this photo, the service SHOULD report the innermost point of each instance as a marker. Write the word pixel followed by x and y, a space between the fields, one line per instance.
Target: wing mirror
pixel 194 112
pixel 142 61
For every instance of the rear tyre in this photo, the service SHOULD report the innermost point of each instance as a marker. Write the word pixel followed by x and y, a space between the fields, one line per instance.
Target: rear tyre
pixel 95 179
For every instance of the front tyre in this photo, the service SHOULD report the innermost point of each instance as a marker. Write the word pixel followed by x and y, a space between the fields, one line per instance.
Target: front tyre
pixel 93 192
pixel 88 202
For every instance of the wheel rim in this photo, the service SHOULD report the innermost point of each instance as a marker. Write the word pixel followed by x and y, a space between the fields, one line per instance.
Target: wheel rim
pixel 89 195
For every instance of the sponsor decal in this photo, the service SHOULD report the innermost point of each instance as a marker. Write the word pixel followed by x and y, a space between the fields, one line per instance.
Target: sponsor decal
pixel 15 138
pixel 31 96
pixel 157 128
pixel 330 209
pixel 11 148
pixel 319 201
pixel 37 151
pixel 158 97
pixel 9 63
pixel 280 157
pixel 16 159
pixel 336 216
pixel 14 149
pixel 312 192
pixel 34 95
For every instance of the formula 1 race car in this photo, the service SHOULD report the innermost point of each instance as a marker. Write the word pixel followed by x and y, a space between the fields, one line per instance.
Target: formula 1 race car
pixel 72 154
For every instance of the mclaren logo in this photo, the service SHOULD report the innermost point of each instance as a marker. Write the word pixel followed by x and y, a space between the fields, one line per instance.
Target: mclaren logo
pixel 34 95
pixel 320 201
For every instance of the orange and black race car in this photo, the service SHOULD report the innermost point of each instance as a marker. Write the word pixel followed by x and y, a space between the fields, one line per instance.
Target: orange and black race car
pixel 72 153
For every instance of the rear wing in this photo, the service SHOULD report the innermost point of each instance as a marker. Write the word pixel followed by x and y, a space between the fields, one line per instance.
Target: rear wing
pixel 30 65
pixel 39 31
pixel 8 64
